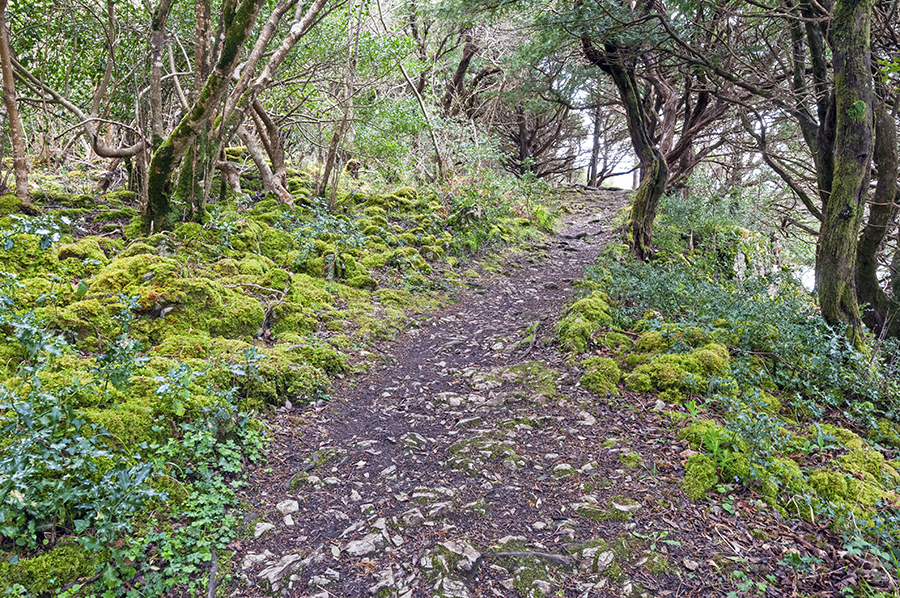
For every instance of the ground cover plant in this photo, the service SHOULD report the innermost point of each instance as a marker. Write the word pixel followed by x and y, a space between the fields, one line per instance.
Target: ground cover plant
pixel 773 401
pixel 137 372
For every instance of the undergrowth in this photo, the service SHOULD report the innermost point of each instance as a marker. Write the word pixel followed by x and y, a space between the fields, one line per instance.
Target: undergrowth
pixel 791 411
pixel 136 372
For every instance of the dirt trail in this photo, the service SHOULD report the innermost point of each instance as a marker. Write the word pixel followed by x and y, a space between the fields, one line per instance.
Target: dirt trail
pixel 471 463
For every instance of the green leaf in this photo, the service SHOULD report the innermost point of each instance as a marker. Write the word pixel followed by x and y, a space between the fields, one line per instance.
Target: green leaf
pixel 81 291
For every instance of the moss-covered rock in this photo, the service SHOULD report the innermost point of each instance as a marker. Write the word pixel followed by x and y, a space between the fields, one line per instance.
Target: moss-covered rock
pixel 10 204
pixel 26 257
pixel 82 258
pixel 866 462
pixel 50 571
pixel 651 341
pixel 681 372
pixel 602 375
pixel 844 437
pixel 886 432
pixel 582 320
pixel 700 476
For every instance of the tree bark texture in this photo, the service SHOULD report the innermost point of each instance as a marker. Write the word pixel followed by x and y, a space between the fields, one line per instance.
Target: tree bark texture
pixel 853 141
pixel 160 214
pixel 882 209
pixel 17 136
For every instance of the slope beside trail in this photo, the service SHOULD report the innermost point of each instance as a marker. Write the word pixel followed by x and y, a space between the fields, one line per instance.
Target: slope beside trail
pixel 470 463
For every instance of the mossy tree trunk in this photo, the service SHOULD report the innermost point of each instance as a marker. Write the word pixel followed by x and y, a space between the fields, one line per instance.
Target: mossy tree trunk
pixel 880 315
pixel 617 61
pixel 853 144
pixel 17 135
pixel 161 213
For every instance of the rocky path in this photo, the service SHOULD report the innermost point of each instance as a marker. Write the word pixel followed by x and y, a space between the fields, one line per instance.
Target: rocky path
pixel 472 464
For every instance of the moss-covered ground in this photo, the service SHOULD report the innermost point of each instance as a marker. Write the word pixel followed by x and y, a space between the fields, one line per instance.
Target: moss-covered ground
pixel 137 371
pixel 740 366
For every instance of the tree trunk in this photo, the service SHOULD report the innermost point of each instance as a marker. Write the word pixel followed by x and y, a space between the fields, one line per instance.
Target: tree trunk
pixel 20 165
pixel 881 212
pixel 595 150
pixel 612 60
pixel 157 44
pixel 270 183
pixel 836 252
pixel 160 214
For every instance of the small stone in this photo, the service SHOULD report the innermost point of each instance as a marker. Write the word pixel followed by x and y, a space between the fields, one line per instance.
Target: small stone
pixel 385 581
pixel 596 560
pixel 319 581
pixel 660 405
pixel 387 471
pixel 314 480
pixel 286 565
pixel 441 509
pixel 255 559
pixel 288 520
pixel 539 525
pixel 625 508
pixel 286 507
pixel 690 565
pixel 412 518
pixel 261 528
pixel 543 586
pixel 367 545
pixel 397 540
pixel 465 550
pixel 452 588
pixel 332 481
pixel 587 419
pixel 355 497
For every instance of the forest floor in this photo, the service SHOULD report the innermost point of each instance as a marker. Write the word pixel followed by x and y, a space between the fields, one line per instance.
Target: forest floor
pixel 471 463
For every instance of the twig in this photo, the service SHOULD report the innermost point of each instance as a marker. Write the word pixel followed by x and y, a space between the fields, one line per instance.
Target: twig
pixel 213 571
pixel 534 337
pixel 308 467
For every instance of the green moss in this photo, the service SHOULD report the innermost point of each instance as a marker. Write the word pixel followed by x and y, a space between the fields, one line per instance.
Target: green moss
pixel 82 258
pixel 26 258
pixel 602 375
pixel 770 404
pixel 784 476
pixel 632 460
pixel 608 512
pixel 844 437
pixel 683 372
pixel 585 317
pixel 129 423
pixel 323 358
pixel 51 570
pixel 700 476
pixel 10 204
pixel 651 341
pixel 829 485
pixel 362 281
pixel 865 461
pixel 639 382
pixel 657 563
pixel 886 432
pixel 536 376
pixel 120 214
pixel 616 341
